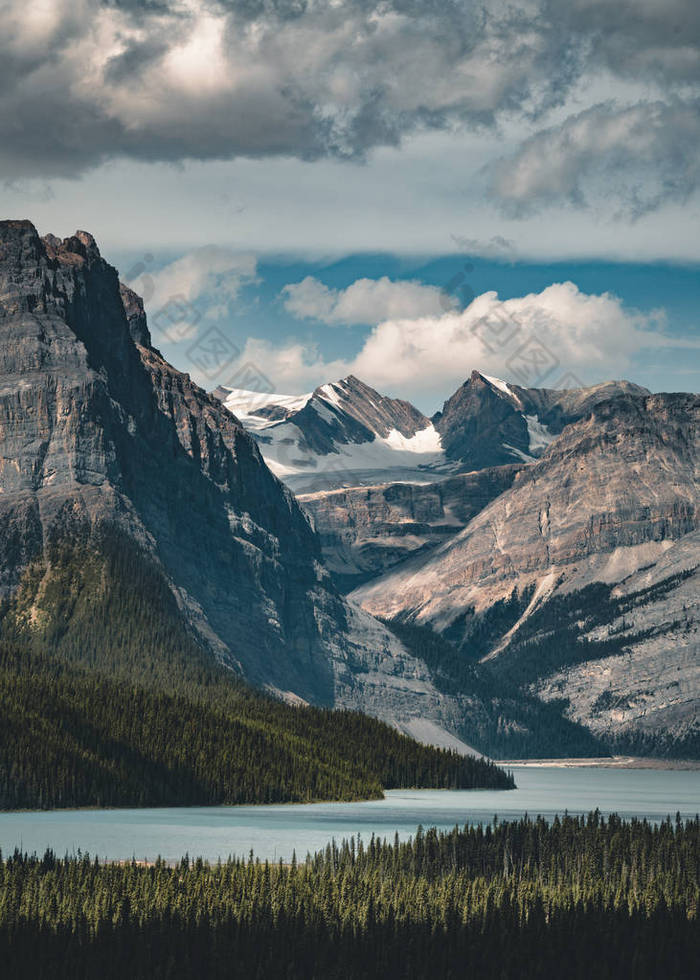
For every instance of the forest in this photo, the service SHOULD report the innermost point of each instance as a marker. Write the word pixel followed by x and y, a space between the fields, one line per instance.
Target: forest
pixel 108 700
pixel 578 897
pixel 70 736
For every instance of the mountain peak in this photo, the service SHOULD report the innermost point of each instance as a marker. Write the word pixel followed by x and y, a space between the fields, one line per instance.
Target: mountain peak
pixel 344 431
pixel 68 282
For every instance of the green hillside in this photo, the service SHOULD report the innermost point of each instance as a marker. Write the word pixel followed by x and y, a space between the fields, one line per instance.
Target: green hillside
pixel 107 700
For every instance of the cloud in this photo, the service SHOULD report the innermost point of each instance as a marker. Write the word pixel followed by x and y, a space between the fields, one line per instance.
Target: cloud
pixel 367 301
pixel 203 283
pixel 654 40
pixel 641 156
pixel 429 356
pixel 87 81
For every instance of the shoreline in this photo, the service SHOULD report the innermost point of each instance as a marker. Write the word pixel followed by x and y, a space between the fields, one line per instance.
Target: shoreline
pixel 611 762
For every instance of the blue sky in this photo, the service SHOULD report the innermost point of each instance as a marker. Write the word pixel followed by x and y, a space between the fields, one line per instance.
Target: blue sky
pixel 259 312
pixel 302 180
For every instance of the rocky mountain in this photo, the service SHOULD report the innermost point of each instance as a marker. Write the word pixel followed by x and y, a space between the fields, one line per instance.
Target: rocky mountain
pixel 488 422
pixel 548 605
pixel 582 579
pixel 365 531
pixel 341 434
pixel 345 434
pixel 100 436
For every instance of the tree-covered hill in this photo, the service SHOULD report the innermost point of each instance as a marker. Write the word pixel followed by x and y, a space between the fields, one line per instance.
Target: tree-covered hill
pixel 108 700
pixel 70 736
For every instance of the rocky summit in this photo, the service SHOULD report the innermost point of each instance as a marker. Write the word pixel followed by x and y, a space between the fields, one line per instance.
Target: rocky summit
pixel 488 422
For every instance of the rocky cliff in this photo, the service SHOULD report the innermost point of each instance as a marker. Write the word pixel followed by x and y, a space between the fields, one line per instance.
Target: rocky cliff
pixel 365 531
pixel 97 429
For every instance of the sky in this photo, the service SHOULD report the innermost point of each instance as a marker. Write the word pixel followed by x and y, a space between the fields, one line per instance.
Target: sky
pixel 405 190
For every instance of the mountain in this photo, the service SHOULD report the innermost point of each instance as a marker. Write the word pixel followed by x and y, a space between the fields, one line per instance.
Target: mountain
pixel 341 434
pixel 581 581
pixel 488 422
pixel 119 476
pixel 365 531
pixel 549 606
pixel 345 434
pixel 544 519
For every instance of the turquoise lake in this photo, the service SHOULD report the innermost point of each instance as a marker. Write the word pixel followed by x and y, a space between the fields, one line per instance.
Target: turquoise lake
pixel 274 832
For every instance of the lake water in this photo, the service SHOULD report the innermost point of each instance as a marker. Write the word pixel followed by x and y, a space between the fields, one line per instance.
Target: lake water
pixel 274 832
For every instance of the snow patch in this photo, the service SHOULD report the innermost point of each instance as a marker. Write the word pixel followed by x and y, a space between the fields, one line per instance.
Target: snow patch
pixel 246 404
pixel 395 457
pixel 539 435
pixel 424 441
pixel 331 394
pixel 503 387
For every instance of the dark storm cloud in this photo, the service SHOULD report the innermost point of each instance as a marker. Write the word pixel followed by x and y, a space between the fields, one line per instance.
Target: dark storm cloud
pixel 639 39
pixel 86 81
pixel 643 156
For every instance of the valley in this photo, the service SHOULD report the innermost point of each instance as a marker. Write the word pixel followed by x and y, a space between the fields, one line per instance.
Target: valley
pixel 555 551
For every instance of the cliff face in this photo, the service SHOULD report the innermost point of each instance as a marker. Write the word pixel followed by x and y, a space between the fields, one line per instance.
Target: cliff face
pixel 95 427
pixel 365 531
pixel 624 478
pixel 613 503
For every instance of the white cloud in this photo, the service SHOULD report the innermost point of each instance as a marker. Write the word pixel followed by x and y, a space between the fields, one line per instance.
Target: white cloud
pixel 427 357
pixel 367 301
pixel 215 272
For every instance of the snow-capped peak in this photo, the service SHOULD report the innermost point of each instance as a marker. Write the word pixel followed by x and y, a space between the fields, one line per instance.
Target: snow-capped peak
pixel 260 409
pixel 342 433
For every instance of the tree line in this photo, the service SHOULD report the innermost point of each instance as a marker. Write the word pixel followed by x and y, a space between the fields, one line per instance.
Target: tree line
pixel 578 897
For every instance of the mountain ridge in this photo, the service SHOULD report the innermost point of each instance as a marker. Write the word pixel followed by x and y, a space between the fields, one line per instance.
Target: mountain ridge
pixel 343 432
pixel 346 434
